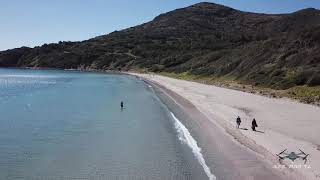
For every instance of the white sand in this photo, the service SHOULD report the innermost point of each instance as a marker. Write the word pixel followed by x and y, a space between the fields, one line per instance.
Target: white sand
pixel 286 124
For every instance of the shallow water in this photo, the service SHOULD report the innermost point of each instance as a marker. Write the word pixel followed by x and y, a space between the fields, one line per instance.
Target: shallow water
pixel 69 125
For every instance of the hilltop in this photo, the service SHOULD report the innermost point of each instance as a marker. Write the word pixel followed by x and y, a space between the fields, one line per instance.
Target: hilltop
pixel 278 51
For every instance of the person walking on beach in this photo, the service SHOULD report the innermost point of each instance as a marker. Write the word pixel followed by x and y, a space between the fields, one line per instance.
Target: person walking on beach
pixel 254 124
pixel 238 122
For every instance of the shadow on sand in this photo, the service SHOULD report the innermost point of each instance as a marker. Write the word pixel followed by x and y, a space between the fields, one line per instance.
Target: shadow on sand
pixel 259 131
pixel 253 131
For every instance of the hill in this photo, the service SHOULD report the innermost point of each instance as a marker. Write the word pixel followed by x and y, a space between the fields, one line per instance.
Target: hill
pixel 206 40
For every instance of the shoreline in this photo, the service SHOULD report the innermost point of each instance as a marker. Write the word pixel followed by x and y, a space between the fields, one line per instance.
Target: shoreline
pixel 263 146
pixel 229 161
pixel 249 88
pixel 265 92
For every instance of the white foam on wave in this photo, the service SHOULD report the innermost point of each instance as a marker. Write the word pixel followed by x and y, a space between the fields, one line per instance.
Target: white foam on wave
pixel 26 76
pixel 26 82
pixel 13 79
pixel 185 136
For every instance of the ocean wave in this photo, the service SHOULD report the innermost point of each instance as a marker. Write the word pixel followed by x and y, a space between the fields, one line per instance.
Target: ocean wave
pixel 26 76
pixel 185 136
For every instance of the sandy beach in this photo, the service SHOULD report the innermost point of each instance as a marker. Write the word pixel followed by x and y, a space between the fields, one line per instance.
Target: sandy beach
pixel 239 153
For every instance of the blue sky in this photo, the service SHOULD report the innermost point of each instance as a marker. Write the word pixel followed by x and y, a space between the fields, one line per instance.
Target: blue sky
pixel 35 22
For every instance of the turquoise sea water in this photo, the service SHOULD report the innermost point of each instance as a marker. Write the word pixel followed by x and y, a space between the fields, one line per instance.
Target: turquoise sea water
pixel 69 125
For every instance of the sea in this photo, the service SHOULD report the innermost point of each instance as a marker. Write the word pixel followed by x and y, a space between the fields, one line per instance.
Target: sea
pixel 57 124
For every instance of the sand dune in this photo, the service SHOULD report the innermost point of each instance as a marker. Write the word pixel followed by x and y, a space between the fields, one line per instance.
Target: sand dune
pixel 283 124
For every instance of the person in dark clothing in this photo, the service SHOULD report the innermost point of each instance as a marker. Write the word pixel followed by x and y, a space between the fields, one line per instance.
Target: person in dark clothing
pixel 254 124
pixel 238 122
pixel 121 105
